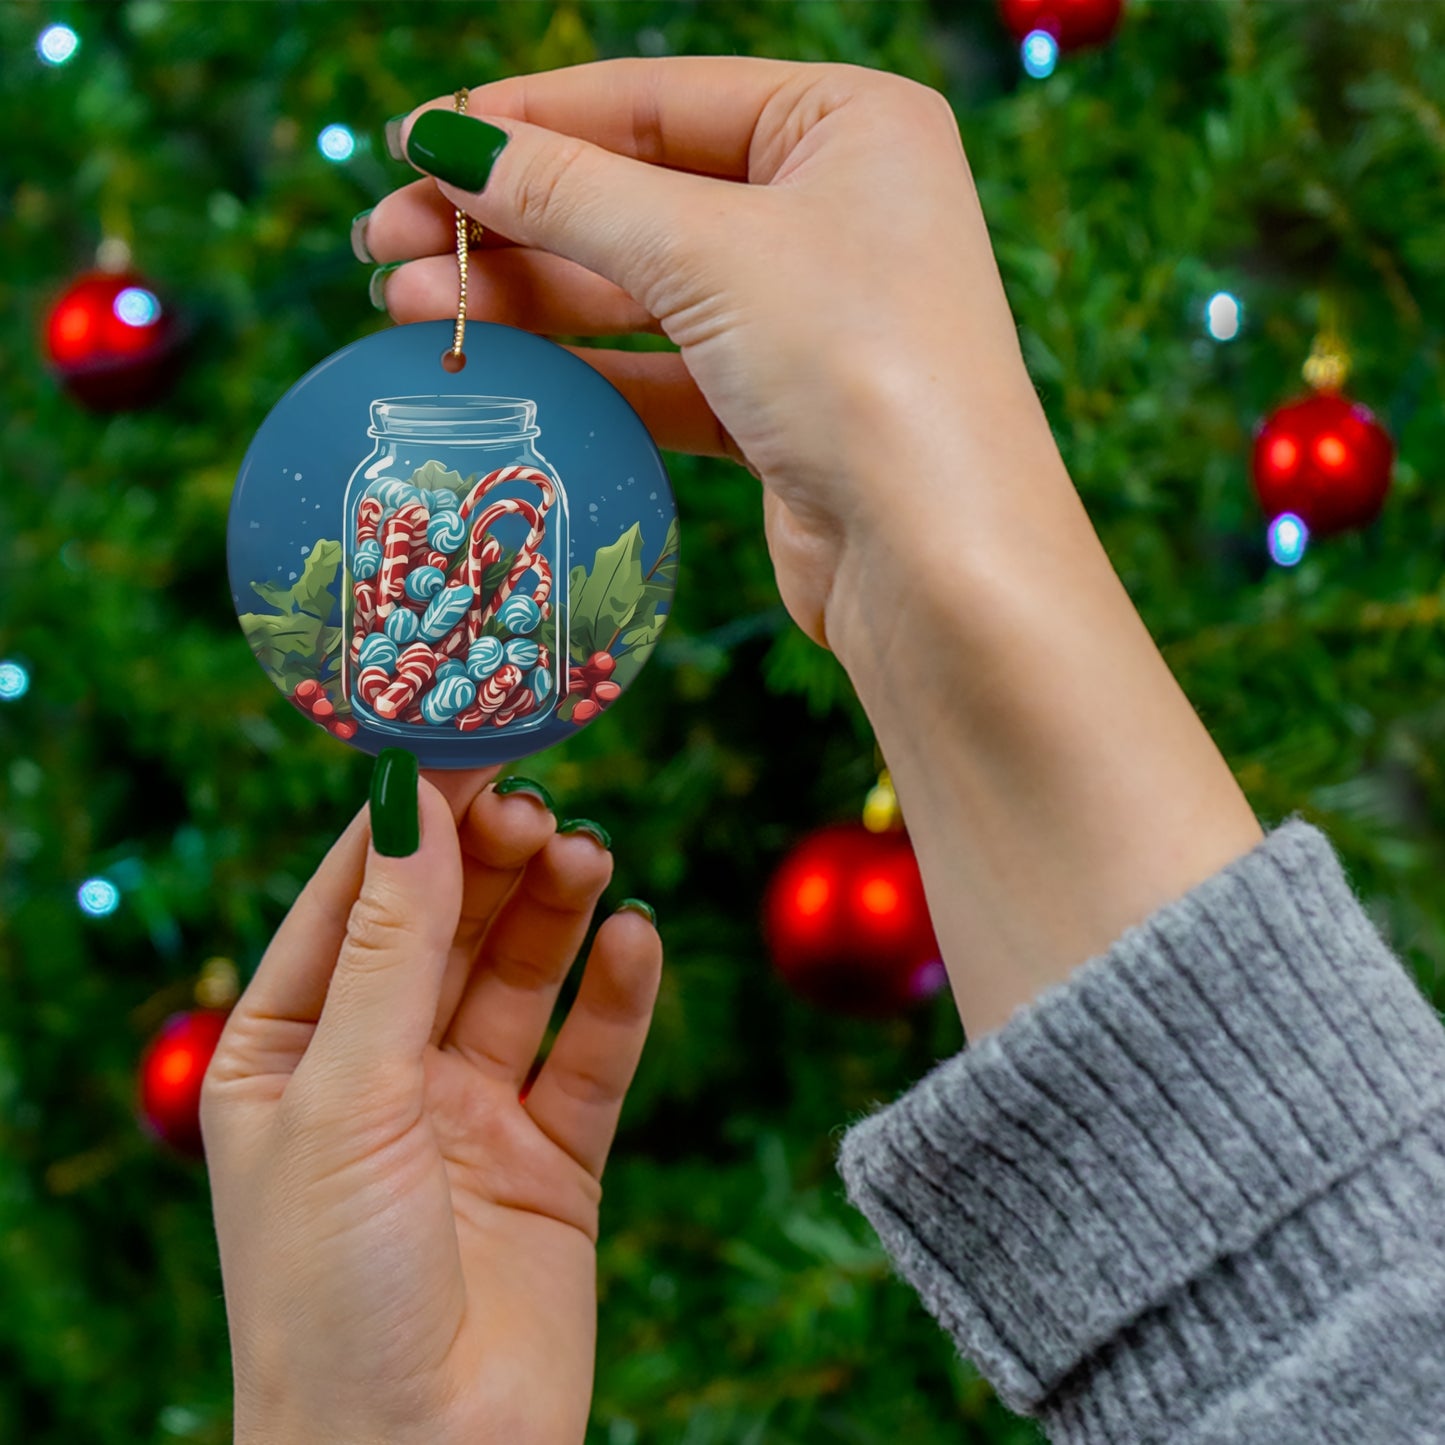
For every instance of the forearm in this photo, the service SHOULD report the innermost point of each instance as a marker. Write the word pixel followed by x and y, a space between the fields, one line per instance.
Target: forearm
pixel 1056 782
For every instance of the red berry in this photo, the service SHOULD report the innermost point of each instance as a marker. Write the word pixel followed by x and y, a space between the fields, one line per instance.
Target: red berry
pixel 305 691
pixel 322 707
pixel 606 692
pixel 576 680
pixel 585 711
pixel 341 728
pixel 600 665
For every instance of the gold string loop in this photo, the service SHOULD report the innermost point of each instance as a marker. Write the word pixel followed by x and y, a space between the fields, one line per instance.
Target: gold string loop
pixel 469 233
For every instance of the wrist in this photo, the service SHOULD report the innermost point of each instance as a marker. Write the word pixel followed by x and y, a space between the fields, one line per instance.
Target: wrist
pixel 1056 782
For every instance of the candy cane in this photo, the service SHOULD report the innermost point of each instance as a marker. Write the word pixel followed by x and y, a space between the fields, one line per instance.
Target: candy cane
pixel 364 595
pixel 368 515
pixel 415 668
pixel 527 558
pixel 401 534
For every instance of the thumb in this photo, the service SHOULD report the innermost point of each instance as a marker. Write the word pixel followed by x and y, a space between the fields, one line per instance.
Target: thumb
pixel 382 1000
pixel 633 223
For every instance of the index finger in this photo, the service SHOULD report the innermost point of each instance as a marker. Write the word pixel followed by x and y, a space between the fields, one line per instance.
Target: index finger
pixel 696 113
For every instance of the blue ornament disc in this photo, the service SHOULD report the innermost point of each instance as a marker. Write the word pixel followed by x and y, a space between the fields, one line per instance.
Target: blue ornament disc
pixel 568 533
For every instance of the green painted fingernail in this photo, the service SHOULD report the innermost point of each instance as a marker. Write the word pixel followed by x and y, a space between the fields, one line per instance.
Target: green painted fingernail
pixel 636 905
pixel 393 136
pixel 455 148
pixel 395 820
pixel 528 786
pixel 586 825
pixel 359 247
pixel 376 288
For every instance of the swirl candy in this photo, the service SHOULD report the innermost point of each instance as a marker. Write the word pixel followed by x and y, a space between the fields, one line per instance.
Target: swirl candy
pixel 423 583
pixel 446 610
pixel 541 682
pixel 519 614
pixel 367 561
pixel 378 650
pixel 519 707
pixel 415 668
pixel 402 627
pixel 446 531
pixel 400 535
pixel 443 500
pixel 484 657
pixel 431 558
pixel 393 493
pixel 522 650
pixel 447 698
pixel 450 668
pixel 494 691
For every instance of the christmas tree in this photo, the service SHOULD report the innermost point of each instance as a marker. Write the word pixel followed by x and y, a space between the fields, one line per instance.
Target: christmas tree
pixel 1212 161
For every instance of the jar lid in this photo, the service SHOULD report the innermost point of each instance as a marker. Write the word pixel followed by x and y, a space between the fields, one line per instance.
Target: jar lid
pixel 458 420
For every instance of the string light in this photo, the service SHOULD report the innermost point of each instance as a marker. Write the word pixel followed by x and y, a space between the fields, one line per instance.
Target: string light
pixel 1223 316
pixel 14 681
pixel 1288 537
pixel 137 307
pixel 57 44
pixel 98 897
pixel 1040 53
pixel 336 143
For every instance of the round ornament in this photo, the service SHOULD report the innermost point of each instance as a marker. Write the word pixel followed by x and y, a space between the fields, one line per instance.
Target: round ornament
pixel 470 564
pixel 1324 458
pixel 171 1073
pixel 112 341
pixel 847 924
pixel 1073 23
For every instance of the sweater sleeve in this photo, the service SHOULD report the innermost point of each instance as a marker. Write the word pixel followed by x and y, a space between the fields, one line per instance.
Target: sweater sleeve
pixel 1196 1192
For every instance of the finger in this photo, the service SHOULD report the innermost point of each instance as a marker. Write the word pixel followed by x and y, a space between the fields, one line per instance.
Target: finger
pixel 504 1010
pixel 698 113
pixel 500 834
pixel 382 997
pixel 577 1098
pixel 518 287
pixel 660 389
pixel 621 218
pixel 417 220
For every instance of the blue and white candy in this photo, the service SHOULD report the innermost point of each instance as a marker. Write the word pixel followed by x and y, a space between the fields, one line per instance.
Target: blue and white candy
pixel 445 610
pixel 378 650
pixel 402 626
pixel 484 657
pixel 519 614
pixel 423 583
pixel 446 531
pixel 451 667
pixel 367 561
pixel 447 698
pixel 392 492
pixel 541 681
pixel 523 651
pixel 443 500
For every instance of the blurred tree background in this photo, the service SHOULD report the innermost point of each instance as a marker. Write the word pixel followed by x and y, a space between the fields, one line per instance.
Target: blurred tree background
pixel 1286 153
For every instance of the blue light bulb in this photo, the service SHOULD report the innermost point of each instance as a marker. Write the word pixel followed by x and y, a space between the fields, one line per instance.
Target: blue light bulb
pixel 336 143
pixel 98 897
pixel 57 44
pixel 1288 537
pixel 14 681
pixel 1040 53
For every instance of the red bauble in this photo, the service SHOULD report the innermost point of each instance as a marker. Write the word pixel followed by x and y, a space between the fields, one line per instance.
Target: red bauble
pixel 1073 23
pixel 847 924
pixel 171 1072
pixel 112 341
pixel 1326 459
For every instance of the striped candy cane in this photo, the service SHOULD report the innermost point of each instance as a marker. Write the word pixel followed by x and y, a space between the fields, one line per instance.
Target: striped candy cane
pixel 527 558
pixel 396 550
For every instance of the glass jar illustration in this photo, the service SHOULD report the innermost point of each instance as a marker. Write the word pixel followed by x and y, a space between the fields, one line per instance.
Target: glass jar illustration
pixel 454 610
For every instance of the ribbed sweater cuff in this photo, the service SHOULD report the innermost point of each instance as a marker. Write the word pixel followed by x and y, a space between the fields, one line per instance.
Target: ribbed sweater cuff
pixel 1142 1165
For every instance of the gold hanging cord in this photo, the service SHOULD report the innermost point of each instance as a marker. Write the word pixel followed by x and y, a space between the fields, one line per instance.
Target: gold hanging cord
pixel 469 233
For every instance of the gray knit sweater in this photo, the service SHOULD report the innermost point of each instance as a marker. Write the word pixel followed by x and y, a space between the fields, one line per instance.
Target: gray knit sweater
pixel 1196 1192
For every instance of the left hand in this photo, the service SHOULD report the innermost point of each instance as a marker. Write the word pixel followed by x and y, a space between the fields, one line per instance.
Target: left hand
pixel 407 1246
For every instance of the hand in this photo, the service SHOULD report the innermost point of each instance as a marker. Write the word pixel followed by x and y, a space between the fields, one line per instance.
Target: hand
pixel 408 1248
pixel 845 297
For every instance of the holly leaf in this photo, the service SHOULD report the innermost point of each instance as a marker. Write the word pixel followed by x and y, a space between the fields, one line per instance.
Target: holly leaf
pixel 311 593
pixel 496 574
pixel 283 644
pixel 432 475
pixel 638 642
pixel 329 650
pixel 604 600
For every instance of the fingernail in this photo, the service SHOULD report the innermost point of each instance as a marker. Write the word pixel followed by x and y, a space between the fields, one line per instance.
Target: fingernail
pixel 393 137
pixel 395 820
pixel 526 785
pixel 636 905
pixel 359 247
pixel 586 825
pixel 376 288
pixel 455 148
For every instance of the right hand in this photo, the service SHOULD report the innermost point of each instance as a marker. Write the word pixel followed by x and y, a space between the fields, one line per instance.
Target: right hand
pixel 845 297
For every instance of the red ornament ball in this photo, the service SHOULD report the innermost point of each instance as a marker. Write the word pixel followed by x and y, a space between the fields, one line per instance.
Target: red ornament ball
pixel 112 341
pixel 847 924
pixel 1073 23
pixel 171 1072
pixel 1326 459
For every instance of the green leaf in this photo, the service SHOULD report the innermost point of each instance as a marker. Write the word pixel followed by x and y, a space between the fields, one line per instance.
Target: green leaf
pixel 604 600
pixel 311 593
pixel 639 642
pixel 278 596
pixel 432 475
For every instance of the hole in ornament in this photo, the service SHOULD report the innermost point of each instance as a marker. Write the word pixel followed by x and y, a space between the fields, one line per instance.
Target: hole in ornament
pixel 453 362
